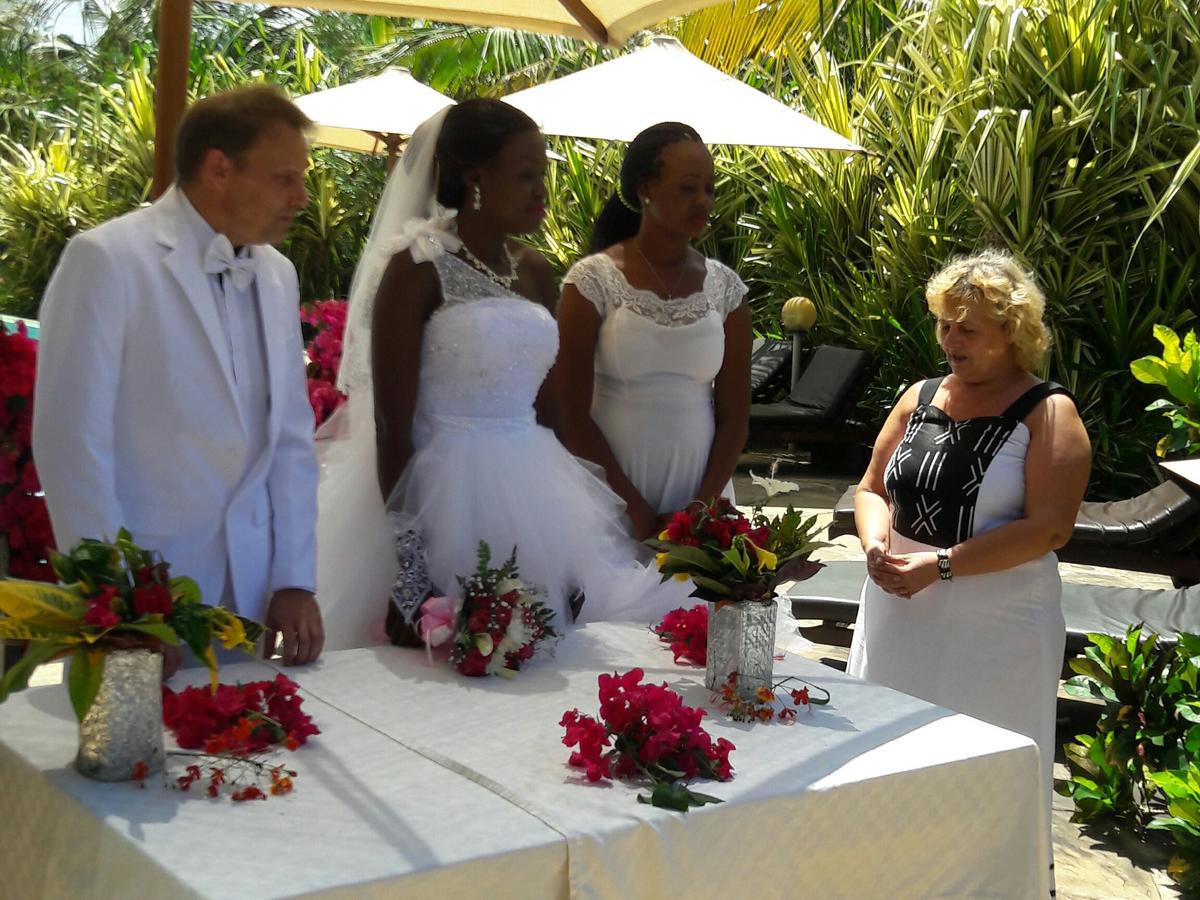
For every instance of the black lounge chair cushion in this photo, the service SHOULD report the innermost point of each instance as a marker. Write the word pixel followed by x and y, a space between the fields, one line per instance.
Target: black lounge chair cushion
pixel 832 595
pixel 770 368
pixel 822 393
pixel 1138 519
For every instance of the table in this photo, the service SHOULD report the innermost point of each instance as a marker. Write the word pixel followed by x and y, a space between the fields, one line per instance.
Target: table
pixel 424 783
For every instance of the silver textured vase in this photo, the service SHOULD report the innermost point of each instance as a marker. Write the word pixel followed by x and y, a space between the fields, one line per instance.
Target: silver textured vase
pixel 741 638
pixel 124 726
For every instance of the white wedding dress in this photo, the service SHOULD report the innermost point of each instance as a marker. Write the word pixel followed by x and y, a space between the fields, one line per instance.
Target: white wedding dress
pixel 655 364
pixel 482 470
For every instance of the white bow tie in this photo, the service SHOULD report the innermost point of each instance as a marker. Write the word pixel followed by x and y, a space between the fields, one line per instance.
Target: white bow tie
pixel 220 258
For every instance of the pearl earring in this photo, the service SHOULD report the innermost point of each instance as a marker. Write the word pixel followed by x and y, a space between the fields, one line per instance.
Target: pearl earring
pixel 478 203
pixel 645 201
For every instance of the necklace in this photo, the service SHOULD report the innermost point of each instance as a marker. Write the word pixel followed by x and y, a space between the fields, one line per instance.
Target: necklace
pixel 670 291
pixel 505 281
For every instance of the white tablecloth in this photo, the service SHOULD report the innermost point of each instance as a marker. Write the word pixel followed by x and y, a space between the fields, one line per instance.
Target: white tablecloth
pixel 428 784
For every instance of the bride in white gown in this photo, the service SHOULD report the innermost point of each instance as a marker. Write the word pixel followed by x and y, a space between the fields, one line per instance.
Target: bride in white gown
pixel 449 341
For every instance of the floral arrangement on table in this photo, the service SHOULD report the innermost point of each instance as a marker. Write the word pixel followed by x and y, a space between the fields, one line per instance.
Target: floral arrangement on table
pixel 111 597
pixel 645 731
pixel 326 322
pixel 686 631
pixel 230 731
pixel 496 626
pixel 766 703
pixel 735 562
pixel 24 519
pixel 729 556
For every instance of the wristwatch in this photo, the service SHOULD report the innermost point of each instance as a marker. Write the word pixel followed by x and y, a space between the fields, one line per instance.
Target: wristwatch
pixel 943 556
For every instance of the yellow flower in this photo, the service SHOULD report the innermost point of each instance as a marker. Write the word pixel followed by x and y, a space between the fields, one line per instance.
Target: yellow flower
pixel 661 559
pixel 681 576
pixel 664 535
pixel 766 559
pixel 229 630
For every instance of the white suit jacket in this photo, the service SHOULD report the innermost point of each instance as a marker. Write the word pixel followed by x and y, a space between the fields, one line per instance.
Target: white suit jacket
pixel 136 416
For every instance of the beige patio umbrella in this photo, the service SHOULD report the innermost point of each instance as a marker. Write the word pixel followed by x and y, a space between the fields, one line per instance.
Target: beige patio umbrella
pixel 372 115
pixel 604 21
pixel 664 82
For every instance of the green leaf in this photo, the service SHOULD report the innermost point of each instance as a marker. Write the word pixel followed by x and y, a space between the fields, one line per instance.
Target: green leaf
pixel 83 681
pixel 676 796
pixel 163 632
pixel 711 584
pixel 184 590
pixel 16 678
pixel 692 556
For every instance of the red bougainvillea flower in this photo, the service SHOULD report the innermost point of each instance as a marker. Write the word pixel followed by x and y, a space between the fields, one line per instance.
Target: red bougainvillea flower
pixel 643 729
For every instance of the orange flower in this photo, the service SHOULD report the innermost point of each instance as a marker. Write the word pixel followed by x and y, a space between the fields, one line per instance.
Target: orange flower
pixel 765 695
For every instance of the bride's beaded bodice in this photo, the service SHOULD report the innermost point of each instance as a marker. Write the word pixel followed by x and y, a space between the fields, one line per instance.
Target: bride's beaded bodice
pixel 485 353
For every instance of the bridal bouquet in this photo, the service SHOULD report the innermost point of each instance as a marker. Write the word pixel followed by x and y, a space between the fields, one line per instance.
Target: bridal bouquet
pixel 498 623
pixel 728 556
pixel 111 597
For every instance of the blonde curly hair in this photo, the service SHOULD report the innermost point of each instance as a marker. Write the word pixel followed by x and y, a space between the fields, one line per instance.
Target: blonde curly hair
pixel 997 285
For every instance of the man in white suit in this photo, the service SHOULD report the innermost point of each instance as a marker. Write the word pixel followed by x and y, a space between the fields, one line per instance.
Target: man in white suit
pixel 171 392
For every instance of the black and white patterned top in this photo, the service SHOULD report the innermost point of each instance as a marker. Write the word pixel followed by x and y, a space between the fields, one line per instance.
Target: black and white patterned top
pixel 935 473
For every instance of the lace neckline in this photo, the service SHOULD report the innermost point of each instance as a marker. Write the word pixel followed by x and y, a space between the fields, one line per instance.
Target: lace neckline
pixel 647 293
pixel 462 282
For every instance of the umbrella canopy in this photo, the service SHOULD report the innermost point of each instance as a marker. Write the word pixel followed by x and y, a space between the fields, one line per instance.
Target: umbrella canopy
pixel 373 114
pixel 606 21
pixel 664 82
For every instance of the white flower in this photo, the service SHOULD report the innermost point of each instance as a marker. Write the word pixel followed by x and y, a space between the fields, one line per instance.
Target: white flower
pixel 507 585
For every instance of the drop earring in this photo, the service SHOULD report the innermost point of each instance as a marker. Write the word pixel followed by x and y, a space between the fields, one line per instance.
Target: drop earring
pixel 478 201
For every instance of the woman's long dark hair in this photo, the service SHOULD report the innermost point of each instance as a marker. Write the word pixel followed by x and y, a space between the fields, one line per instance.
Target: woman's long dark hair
pixel 473 133
pixel 621 216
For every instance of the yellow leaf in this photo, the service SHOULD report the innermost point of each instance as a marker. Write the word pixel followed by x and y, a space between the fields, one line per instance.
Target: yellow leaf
pixel 38 603
pixel 210 660
pixel 21 630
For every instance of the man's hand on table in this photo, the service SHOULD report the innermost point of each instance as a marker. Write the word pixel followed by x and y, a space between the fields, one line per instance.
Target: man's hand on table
pixel 294 615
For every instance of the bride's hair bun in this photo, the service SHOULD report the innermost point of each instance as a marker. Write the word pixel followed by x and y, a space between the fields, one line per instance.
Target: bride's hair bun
pixel 472 134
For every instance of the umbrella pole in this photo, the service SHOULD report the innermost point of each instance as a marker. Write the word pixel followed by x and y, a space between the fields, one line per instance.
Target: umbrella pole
pixel 170 89
pixel 392 142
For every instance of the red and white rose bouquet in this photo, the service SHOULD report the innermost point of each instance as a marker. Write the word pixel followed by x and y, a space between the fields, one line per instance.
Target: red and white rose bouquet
pixel 497 624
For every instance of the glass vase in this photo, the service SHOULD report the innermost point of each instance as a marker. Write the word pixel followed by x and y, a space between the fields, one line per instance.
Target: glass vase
pixel 741 638
pixel 124 725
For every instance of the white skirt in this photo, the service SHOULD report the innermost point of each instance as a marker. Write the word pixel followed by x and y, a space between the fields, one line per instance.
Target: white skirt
pixel 508 482
pixel 990 646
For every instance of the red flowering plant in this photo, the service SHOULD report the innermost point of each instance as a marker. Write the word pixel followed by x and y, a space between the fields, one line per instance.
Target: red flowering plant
pixel 728 556
pixel 325 321
pixel 110 596
pixel 768 703
pixel 24 520
pixel 686 631
pixel 231 731
pixel 496 625
pixel 646 732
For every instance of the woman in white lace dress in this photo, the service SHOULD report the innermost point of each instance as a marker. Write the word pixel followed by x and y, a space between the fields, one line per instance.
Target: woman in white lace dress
pixel 450 332
pixel 654 370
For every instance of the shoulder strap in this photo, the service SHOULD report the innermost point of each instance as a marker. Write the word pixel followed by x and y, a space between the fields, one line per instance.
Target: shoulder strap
pixel 1028 401
pixel 929 387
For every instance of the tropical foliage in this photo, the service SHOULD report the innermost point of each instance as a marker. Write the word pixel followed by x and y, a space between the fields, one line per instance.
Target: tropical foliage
pixel 1062 130
pixel 1141 766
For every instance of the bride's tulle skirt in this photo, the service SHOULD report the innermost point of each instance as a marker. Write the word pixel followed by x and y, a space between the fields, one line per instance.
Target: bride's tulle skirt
pixel 506 481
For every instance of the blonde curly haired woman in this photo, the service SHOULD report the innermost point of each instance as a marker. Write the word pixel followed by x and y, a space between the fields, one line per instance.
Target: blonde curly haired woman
pixel 974 482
